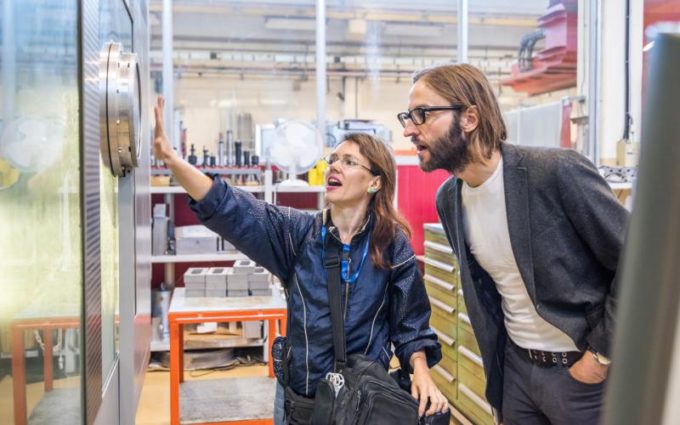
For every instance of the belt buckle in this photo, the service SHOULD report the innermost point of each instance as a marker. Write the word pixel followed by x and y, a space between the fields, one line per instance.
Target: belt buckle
pixel 531 354
pixel 536 355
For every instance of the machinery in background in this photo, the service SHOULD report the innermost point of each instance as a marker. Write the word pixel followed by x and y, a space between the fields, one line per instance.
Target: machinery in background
pixel 336 132
pixel 554 67
pixel 539 125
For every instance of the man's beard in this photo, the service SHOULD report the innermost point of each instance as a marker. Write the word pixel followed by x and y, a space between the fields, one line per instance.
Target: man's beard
pixel 450 152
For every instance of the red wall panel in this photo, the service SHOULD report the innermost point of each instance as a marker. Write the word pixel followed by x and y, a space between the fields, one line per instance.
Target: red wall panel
pixel 416 192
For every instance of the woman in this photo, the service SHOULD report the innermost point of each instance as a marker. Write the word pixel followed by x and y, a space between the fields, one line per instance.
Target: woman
pixel 385 301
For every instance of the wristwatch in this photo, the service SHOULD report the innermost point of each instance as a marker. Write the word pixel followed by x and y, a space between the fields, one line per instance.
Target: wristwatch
pixel 600 358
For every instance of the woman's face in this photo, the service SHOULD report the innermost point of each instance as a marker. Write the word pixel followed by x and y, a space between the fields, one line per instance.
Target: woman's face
pixel 349 177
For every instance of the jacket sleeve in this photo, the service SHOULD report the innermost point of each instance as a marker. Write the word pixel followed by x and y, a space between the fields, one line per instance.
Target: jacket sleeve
pixel 410 311
pixel 269 235
pixel 600 221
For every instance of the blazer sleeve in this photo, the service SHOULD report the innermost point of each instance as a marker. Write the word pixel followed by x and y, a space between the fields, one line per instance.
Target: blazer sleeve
pixel 600 221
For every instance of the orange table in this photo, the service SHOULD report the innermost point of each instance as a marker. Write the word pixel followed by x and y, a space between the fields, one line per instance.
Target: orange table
pixel 209 309
pixel 21 323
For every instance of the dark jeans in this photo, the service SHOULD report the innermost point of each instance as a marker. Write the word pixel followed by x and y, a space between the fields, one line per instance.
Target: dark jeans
pixel 534 395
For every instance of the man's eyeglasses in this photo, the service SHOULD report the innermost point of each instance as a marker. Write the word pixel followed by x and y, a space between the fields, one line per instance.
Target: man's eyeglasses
pixel 346 162
pixel 419 115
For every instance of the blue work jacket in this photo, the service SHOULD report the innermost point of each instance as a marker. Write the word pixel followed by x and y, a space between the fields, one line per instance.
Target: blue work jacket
pixel 386 308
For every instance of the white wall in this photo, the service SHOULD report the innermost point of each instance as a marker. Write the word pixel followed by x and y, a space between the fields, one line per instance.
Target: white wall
pixel 210 105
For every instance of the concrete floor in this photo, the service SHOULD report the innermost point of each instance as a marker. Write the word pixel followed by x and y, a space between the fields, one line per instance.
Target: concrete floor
pixel 154 403
pixel 34 393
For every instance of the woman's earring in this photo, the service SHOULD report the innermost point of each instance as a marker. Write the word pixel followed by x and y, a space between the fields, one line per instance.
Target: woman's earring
pixel 372 190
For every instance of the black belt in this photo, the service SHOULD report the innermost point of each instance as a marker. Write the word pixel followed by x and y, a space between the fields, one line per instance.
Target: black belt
pixel 548 358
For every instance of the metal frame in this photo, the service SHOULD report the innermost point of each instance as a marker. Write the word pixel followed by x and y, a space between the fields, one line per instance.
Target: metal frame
pixel 649 302
pixel 321 67
pixel 105 402
pixel 91 337
pixel 463 30
pixel 594 79
pixel 134 204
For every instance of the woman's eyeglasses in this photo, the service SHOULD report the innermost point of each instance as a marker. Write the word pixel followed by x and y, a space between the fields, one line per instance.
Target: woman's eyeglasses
pixel 346 162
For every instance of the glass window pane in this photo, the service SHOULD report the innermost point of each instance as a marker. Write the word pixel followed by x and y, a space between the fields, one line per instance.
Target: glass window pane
pixel 114 25
pixel 40 253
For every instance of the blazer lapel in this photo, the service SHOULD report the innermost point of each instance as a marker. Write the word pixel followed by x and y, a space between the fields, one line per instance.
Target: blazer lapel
pixel 458 229
pixel 517 209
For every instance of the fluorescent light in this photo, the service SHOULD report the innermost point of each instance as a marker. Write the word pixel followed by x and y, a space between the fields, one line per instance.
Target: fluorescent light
pixel 274 102
pixel 414 30
pixel 294 24
pixel 356 27
pixel 226 103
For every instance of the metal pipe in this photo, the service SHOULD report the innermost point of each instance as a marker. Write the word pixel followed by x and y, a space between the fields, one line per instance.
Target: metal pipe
pixel 321 66
pixel 594 96
pixel 168 74
pixel 647 314
pixel 463 12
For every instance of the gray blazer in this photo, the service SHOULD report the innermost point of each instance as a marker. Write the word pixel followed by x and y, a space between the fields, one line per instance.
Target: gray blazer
pixel 566 231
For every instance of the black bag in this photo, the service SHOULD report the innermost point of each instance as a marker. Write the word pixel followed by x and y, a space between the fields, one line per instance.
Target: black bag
pixel 298 408
pixel 359 391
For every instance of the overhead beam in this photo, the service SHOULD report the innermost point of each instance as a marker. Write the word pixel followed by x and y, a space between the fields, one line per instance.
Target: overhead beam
pixel 439 17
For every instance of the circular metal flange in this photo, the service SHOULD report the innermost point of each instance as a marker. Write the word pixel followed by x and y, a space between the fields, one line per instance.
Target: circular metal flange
pixel 120 109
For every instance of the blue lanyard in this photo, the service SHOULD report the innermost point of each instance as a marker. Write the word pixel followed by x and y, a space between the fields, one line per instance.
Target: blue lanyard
pixel 344 264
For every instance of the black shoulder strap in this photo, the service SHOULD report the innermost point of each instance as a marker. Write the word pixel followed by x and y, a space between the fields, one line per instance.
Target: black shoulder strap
pixel 332 265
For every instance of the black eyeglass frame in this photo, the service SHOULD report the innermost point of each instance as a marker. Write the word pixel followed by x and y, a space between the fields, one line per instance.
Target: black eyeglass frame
pixel 403 116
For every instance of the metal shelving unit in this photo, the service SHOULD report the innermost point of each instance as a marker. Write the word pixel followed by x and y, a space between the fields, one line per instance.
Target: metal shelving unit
pixel 216 170
pixel 158 346
pixel 269 193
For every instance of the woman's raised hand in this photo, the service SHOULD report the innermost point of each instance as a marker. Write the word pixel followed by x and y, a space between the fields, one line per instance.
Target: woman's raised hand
pixel 161 144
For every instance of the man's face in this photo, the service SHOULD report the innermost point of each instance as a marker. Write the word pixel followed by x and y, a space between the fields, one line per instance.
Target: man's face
pixel 440 140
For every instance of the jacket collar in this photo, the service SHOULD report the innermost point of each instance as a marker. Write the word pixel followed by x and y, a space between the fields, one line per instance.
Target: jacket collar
pixel 515 180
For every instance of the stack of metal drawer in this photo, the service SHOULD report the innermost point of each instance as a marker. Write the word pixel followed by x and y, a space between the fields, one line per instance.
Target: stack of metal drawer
pixel 460 375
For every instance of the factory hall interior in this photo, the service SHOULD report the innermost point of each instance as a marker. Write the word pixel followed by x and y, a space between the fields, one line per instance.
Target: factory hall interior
pixel 339 212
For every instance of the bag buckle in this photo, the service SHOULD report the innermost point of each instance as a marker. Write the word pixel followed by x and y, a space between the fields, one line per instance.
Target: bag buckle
pixel 337 380
pixel 332 262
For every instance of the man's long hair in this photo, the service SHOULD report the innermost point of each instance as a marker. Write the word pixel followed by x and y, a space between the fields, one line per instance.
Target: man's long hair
pixel 467 85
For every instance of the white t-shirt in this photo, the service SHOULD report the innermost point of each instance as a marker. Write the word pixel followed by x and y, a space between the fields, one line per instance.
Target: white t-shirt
pixel 486 230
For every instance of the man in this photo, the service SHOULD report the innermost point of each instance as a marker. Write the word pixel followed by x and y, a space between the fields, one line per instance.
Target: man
pixel 538 235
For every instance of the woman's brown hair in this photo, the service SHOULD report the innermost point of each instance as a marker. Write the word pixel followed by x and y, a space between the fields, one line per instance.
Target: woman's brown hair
pixel 467 85
pixel 387 218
